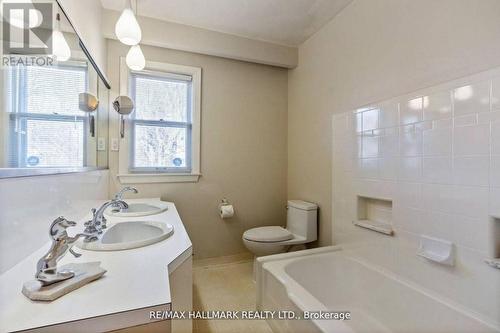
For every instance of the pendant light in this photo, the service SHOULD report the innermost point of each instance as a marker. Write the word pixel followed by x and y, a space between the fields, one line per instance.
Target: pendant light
pixel 60 47
pixel 135 58
pixel 127 28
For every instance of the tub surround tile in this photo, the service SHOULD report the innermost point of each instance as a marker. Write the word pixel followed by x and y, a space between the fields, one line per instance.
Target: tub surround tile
pixel 411 111
pixel 370 146
pixel 410 169
pixel 495 138
pixel 471 140
pixel 388 114
pixel 487 117
pixel 438 142
pixel 447 185
pixel 388 168
pixel 370 120
pixel 438 106
pixel 495 171
pixel 467 120
pixel 473 171
pixel 389 144
pixel 411 143
pixel 495 94
pixel 409 195
pixel 442 123
pixel 471 232
pixel 473 98
pixel 437 170
pixel 494 206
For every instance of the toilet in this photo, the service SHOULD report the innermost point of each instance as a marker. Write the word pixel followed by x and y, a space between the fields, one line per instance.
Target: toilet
pixel 301 228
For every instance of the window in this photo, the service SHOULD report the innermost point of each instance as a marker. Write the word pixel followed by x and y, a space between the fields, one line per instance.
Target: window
pixel 45 126
pixel 161 123
pixel 163 133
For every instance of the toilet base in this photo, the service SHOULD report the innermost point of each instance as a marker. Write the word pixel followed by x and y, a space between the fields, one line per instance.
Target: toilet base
pixel 264 249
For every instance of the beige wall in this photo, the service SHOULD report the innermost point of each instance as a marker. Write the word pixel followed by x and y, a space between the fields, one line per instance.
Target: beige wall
pixel 374 50
pixel 243 149
pixel 192 39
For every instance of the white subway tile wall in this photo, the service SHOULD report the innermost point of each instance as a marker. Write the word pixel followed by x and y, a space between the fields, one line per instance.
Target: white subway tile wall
pixel 436 155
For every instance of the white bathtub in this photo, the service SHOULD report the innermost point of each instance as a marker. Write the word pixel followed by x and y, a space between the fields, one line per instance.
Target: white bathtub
pixel 326 279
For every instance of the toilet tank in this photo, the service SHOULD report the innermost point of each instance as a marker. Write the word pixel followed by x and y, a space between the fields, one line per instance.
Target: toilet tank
pixel 302 219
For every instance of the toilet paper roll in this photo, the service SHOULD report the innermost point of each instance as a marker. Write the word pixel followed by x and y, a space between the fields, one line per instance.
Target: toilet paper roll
pixel 226 211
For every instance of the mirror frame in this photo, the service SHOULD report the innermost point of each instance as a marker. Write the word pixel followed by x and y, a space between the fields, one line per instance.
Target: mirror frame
pixel 6 173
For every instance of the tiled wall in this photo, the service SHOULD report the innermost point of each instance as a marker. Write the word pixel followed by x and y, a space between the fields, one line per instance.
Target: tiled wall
pixel 28 205
pixel 435 154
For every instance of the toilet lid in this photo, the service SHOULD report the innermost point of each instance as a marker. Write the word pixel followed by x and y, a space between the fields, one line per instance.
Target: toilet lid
pixel 268 234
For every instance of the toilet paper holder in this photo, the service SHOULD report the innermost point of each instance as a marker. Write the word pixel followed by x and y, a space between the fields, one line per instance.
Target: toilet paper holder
pixel 226 210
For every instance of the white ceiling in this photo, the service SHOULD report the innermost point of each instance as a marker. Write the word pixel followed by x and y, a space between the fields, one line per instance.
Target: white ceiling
pixel 287 22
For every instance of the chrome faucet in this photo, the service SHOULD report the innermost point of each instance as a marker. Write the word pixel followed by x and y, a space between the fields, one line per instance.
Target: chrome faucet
pixel 119 195
pixel 94 227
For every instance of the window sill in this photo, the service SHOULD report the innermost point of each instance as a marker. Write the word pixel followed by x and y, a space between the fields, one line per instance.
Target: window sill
pixel 155 178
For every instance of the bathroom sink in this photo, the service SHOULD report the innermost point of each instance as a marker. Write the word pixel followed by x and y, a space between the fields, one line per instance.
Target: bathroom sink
pixel 138 209
pixel 130 235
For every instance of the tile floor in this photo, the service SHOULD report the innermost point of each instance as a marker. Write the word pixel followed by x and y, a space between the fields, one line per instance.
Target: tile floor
pixel 225 284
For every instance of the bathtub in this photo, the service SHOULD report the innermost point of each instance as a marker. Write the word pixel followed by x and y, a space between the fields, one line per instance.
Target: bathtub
pixel 327 279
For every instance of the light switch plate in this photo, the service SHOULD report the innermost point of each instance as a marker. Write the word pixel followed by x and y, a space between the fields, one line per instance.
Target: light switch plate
pixel 115 144
pixel 101 144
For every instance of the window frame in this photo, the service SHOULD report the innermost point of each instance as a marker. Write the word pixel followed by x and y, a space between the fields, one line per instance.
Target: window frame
pixel 187 125
pixel 129 174
pixel 19 118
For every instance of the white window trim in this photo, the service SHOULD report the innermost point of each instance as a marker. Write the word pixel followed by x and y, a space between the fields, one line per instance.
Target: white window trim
pixel 124 175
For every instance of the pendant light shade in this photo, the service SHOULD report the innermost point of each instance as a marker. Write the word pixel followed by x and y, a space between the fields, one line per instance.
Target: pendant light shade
pixel 135 58
pixel 127 28
pixel 60 47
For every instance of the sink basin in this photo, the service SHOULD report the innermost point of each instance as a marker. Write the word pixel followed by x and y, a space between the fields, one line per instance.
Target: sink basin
pixel 130 235
pixel 138 209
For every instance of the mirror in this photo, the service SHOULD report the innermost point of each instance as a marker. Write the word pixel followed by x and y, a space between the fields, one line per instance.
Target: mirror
pixel 51 118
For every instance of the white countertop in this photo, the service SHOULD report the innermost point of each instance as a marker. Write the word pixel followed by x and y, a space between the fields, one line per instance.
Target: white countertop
pixel 136 278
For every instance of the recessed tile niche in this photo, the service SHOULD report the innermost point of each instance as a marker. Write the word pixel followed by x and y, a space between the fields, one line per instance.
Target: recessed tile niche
pixel 375 214
pixel 495 237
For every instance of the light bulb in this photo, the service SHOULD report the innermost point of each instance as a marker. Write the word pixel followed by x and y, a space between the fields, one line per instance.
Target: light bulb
pixel 135 58
pixel 127 28
pixel 60 47
pixel 15 17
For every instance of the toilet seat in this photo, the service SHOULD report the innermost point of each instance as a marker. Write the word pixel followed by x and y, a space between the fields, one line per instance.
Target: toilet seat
pixel 270 234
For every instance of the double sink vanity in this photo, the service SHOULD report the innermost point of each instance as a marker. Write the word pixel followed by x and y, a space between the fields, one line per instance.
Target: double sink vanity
pixel 146 253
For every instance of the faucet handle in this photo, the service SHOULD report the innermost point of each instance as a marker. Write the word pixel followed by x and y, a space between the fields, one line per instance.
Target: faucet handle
pixel 119 195
pixel 90 238
pixel 75 254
